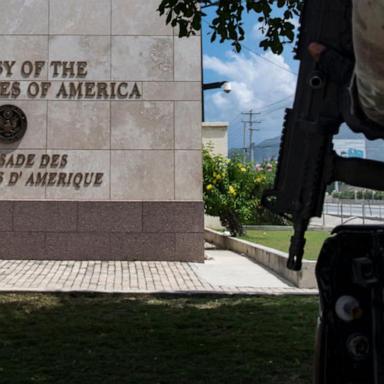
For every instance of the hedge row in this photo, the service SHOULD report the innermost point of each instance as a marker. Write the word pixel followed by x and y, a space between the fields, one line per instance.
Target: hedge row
pixel 359 195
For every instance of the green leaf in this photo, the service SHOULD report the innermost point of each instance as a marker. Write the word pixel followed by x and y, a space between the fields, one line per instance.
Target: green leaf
pixel 169 17
pixel 228 16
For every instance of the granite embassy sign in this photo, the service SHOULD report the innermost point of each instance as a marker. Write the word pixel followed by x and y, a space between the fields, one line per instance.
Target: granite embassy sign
pixel 65 89
pixel 13 122
pixel 51 172
pixel 109 167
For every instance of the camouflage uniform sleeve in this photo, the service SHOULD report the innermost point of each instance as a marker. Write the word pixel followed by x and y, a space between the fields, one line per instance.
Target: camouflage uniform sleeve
pixel 368 35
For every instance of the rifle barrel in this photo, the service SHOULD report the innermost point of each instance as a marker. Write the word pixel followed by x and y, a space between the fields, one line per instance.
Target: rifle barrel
pixel 359 172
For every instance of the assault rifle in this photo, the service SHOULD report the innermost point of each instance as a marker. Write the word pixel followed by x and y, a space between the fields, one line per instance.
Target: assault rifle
pixel 325 99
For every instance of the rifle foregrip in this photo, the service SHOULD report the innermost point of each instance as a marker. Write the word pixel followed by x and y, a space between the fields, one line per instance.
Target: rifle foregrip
pixel 296 249
pixel 296 252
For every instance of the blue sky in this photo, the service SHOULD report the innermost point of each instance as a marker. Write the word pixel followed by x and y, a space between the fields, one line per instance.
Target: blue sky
pixel 258 79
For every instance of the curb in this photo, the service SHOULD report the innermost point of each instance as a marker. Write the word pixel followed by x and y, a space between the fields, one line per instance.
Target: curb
pixel 271 258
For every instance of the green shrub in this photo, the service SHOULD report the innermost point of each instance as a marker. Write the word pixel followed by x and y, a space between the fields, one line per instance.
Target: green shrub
pixel 348 195
pixel 378 195
pixel 233 190
pixel 368 195
pixel 359 195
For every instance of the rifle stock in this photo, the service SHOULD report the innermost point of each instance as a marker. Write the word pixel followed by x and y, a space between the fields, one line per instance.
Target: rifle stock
pixel 307 162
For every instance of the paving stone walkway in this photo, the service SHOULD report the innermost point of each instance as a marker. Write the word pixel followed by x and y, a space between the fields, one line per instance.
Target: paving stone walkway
pixel 223 272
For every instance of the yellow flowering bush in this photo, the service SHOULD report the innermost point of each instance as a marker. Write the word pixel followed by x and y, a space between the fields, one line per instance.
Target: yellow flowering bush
pixel 233 189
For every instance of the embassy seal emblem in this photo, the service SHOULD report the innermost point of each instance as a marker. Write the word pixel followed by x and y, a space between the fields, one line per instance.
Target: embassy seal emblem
pixel 13 123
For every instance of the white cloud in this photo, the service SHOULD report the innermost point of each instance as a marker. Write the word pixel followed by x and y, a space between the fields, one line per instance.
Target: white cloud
pixel 256 83
pixel 257 33
pixel 296 22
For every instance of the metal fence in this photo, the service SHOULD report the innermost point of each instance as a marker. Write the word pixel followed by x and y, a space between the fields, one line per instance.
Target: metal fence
pixel 351 210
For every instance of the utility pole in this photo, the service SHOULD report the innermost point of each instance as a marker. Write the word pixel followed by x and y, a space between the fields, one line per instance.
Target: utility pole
pixel 244 140
pixel 251 122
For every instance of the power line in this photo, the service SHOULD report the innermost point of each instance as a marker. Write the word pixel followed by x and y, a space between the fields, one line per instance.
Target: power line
pixel 261 56
pixel 265 110
pixel 275 110
pixel 269 60
pixel 235 118
pixel 265 107
pixel 279 101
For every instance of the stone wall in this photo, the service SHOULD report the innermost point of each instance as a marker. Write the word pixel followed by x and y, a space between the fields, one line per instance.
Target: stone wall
pixel 215 134
pixel 70 230
pixel 113 143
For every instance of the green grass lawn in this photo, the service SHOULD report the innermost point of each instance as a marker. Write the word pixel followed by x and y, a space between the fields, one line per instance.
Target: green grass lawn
pixel 280 240
pixel 120 339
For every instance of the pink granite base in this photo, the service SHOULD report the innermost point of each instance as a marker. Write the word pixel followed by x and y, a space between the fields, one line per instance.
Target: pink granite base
pixel 63 230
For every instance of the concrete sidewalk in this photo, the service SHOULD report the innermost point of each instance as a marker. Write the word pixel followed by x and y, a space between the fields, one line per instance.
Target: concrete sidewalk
pixel 223 272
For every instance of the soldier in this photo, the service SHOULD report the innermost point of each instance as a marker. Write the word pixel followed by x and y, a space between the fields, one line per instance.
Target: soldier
pixel 368 37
